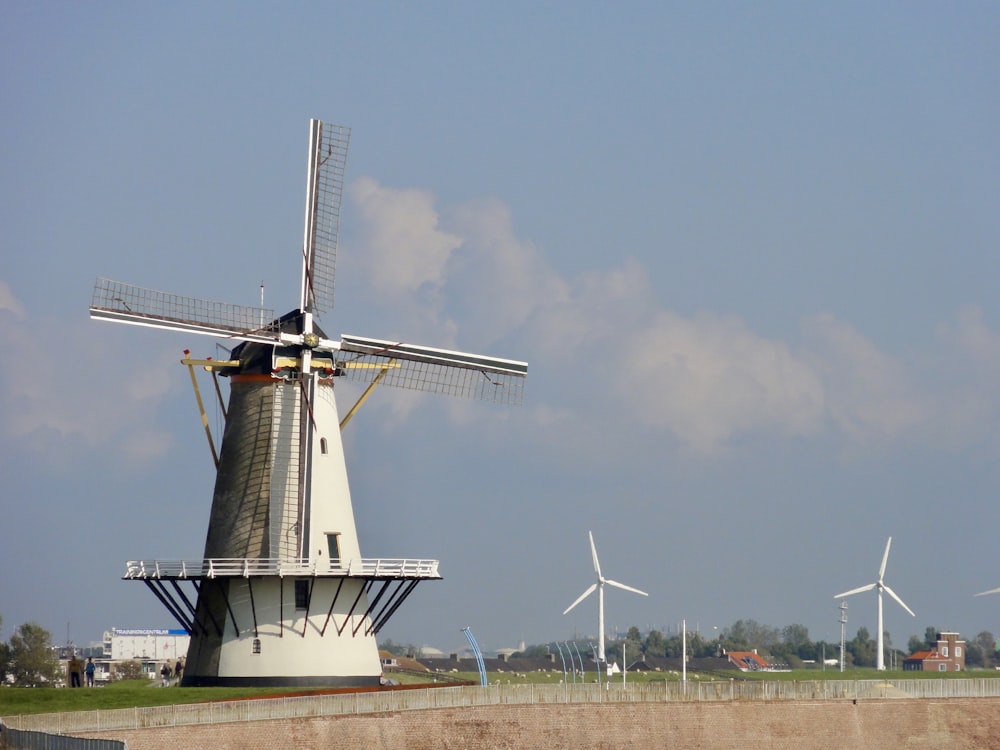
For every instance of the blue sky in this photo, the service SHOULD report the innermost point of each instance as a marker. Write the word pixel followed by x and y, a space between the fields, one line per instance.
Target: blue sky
pixel 749 251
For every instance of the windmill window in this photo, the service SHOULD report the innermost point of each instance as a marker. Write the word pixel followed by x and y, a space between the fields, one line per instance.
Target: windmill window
pixel 333 547
pixel 256 645
pixel 944 651
pixel 958 652
pixel 942 667
pixel 322 446
pixel 301 594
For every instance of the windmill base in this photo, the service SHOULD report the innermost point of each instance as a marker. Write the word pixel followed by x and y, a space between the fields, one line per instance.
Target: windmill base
pixel 318 681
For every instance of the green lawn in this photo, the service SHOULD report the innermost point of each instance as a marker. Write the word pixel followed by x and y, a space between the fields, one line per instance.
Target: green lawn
pixel 125 694
pixel 140 693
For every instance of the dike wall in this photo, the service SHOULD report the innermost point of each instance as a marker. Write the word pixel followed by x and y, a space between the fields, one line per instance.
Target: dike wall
pixel 884 724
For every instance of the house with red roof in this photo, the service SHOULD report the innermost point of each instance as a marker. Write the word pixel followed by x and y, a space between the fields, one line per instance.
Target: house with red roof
pixel 948 655
pixel 747 661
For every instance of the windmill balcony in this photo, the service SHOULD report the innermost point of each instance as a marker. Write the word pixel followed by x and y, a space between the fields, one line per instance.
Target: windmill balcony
pixel 369 568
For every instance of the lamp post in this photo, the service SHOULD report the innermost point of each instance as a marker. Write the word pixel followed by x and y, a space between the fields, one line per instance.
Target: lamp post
pixel 624 662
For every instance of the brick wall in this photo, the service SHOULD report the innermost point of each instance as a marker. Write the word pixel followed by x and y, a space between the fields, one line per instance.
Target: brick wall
pixel 780 725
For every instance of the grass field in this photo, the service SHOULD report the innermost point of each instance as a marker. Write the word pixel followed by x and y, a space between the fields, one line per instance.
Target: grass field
pixel 124 694
pixel 141 693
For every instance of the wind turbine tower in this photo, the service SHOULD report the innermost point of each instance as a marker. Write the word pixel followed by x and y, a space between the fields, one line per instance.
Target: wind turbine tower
pixel 599 585
pixel 880 586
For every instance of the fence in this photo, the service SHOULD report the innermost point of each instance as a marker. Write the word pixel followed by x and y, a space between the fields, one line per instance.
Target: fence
pixel 388 701
pixel 21 739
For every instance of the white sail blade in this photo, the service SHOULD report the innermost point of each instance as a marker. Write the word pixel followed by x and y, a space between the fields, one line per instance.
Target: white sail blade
pixel 991 591
pixel 899 601
pixel 885 559
pixel 584 595
pixel 623 586
pixel 858 590
pixel 593 552
pixel 125 303
pixel 430 355
pixel 442 371
pixel 324 192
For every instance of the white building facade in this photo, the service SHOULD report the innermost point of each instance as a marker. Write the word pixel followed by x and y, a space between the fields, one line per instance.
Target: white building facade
pixel 146 644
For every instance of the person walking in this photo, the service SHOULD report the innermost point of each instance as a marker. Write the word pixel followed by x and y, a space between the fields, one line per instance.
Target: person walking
pixel 75 667
pixel 90 669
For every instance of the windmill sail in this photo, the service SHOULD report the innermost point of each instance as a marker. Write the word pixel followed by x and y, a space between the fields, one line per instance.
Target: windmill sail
pixel 441 371
pixel 324 192
pixel 127 303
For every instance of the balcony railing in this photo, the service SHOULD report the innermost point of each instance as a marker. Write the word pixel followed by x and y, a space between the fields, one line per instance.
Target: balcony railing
pixel 232 567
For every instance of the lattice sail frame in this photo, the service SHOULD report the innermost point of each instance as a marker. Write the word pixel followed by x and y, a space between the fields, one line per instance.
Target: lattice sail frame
pixel 324 194
pixel 361 359
pixel 433 370
pixel 126 303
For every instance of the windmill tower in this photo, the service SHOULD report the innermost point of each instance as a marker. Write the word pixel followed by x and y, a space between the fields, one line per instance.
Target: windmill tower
pixel 880 586
pixel 283 595
pixel 599 585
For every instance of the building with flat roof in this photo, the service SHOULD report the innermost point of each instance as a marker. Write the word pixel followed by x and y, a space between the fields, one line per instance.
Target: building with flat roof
pixel 145 644
pixel 948 655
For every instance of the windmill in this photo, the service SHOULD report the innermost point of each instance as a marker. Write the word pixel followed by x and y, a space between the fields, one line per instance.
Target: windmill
pixel 282 595
pixel 881 586
pixel 599 585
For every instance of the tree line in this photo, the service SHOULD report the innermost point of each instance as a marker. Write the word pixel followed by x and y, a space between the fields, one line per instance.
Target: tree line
pixel 789 645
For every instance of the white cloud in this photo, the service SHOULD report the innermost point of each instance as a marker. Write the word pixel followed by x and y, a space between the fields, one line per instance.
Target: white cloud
pixel 77 381
pixel 965 369
pixel 871 396
pixel 973 338
pixel 405 247
pixel 9 303
pixel 708 379
pixel 496 281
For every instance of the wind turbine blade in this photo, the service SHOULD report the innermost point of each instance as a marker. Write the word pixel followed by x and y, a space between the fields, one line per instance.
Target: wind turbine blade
pixel 901 603
pixel 858 590
pixel 991 591
pixel 623 586
pixel 885 559
pixel 584 595
pixel 593 552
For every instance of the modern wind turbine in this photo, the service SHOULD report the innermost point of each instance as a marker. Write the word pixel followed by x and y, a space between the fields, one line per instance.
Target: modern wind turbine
pixel 283 595
pixel 599 585
pixel 881 586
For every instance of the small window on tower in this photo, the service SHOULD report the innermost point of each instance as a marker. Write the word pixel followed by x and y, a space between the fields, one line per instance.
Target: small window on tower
pixel 256 645
pixel 301 594
pixel 322 446
pixel 333 546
